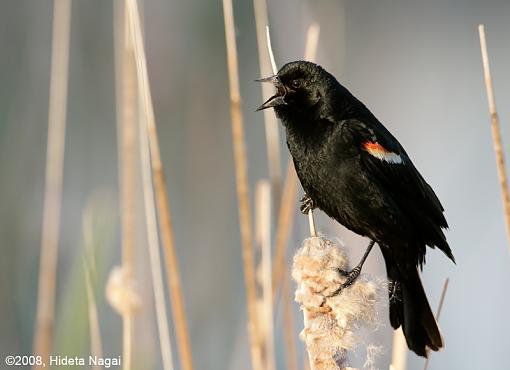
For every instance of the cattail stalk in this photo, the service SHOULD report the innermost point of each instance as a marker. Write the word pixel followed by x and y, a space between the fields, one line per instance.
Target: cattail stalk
pixel 288 202
pixel 496 132
pixel 44 327
pixel 271 125
pixel 161 193
pixel 242 183
pixel 263 239
pixel 287 209
pixel 126 102
pixel 332 321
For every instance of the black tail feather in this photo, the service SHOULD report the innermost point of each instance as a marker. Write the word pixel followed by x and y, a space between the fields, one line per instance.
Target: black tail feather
pixel 410 309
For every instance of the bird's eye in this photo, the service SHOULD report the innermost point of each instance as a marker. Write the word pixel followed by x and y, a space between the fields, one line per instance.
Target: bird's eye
pixel 296 84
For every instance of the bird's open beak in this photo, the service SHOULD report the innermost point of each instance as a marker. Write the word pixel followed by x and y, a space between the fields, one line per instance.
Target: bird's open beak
pixel 278 98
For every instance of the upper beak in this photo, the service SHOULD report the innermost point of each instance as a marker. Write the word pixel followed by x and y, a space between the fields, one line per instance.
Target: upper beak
pixel 278 98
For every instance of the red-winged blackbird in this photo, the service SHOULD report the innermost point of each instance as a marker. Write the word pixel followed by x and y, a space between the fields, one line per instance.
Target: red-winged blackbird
pixel 353 169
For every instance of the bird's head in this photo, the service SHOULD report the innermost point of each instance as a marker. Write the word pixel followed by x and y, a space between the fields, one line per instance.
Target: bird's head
pixel 300 88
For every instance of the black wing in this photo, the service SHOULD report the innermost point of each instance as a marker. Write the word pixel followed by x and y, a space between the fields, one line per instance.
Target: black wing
pixel 386 160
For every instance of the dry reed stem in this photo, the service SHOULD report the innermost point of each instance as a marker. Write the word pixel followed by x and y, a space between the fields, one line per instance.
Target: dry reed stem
pixel 399 351
pixel 162 201
pixel 284 227
pixel 288 323
pixel 122 294
pixel 89 268
pixel 441 299
pixel 155 257
pixel 126 101
pixel 286 209
pixel 285 222
pixel 263 238
pixel 312 42
pixel 242 183
pixel 126 131
pixel 270 51
pixel 146 118
pixel 271 125
pixel 311 224
pixel 438 314
pixel 43 336
pixel 95 332
pixel 127 341
pixel 496 133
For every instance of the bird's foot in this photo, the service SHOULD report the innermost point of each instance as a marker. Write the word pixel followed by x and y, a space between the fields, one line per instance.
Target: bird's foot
pixel 350 276
pixel 307 204
pixel 395 291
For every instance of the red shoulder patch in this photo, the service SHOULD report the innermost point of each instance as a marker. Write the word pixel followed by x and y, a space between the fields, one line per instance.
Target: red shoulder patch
pixel 380 152
pixel 371 146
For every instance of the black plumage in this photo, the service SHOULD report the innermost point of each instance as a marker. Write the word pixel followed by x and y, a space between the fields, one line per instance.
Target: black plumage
pixel 353 169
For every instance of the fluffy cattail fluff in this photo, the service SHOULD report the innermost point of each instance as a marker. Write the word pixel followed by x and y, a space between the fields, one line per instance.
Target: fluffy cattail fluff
pixel 332 324
pixel 122 292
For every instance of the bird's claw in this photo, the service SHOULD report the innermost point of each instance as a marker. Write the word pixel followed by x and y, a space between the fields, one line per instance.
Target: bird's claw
pixel 350 276
pixel 307 204
pixel 395 292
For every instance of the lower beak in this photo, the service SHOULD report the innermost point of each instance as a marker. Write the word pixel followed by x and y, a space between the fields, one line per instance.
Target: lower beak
pixel 273 101
pixel 277 99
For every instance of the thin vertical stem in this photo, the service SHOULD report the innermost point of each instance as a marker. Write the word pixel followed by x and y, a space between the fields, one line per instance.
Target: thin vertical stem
pixel 270 51
pixel 126 96
pixel 271 125
pixel 286 209
pixel 399 351
pixel 263 237
pixel 162 201
pixel 126 113
pixel 43 337
pixel 284 225
pixel 96 347
pixel 496 132
pixel 312 40
pixel 288 323
pixel 242 183
pixel 441 299
pixel 311 224
pixel 438 314
pixel 154 254
pixel 95 332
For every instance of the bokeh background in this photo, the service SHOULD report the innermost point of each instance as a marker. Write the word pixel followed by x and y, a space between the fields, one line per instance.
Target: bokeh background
pixel 416 64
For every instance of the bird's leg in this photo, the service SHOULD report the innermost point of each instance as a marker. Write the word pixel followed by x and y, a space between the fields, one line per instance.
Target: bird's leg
pixel 352 275
pixel 307 204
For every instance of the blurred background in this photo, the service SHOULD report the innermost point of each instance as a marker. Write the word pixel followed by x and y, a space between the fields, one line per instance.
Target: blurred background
pixel 416 65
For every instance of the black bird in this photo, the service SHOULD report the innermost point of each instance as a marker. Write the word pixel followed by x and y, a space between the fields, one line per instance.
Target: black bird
pixel 352 168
